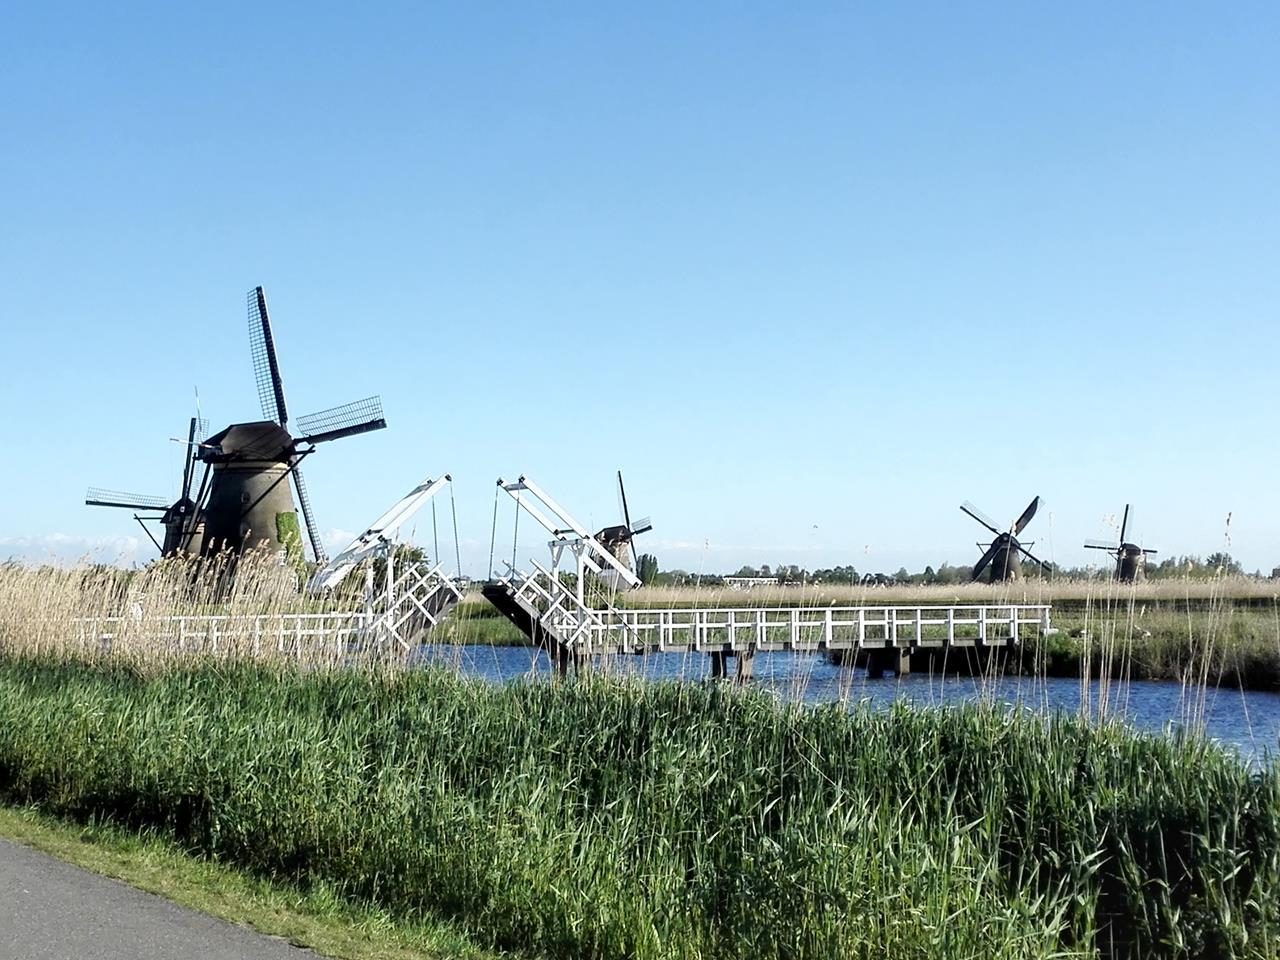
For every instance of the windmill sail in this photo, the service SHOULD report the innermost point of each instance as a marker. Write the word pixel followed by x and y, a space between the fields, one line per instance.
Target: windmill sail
pixel 361 416
pixel 981 517
pixel 98 497
pixel 266 367
pixel 313 532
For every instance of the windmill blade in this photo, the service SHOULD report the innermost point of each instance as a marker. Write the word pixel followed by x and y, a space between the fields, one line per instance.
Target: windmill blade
pixel 981 517
pixel 643 525
pixel 192 522
pixel 986 559
pixel 344 421
pixel 1124 524
pixel 1100 545
pixel 266 367
pixel 98 497
pixel 1021 523
pixel 190 459
pixel 1145 550
pixel 622 495
pixel 313 532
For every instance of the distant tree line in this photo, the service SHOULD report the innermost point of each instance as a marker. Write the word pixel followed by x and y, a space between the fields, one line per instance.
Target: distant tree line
pixel 1189 566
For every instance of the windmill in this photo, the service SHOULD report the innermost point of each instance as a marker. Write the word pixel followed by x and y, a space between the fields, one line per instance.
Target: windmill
pixel 1130 558
pixel 620 538
pixel 181 518
pixel 1004 555
pixel 249 502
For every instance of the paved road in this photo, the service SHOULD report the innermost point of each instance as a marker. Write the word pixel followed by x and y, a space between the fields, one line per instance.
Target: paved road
pixel 50 910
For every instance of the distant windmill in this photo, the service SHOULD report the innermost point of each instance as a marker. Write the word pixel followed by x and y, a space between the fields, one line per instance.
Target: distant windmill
pixel 181 518
pixel 1004 555
pixel 249 502
pixel 620 538
pixel 1130 558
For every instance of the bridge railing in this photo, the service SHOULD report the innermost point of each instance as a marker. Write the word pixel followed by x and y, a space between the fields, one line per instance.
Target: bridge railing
pixel 815 628
pixel 288 634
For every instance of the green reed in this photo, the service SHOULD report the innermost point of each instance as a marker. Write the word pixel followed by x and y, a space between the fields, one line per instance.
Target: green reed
pixel 599 818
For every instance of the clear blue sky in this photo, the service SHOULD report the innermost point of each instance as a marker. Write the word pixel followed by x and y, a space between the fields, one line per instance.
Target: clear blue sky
pixel 809 275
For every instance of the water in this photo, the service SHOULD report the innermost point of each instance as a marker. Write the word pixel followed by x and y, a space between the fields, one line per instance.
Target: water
pixel 1246 721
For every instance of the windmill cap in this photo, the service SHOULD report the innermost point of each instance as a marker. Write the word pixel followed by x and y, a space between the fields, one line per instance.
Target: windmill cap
pixel 617 533
pixel 260 440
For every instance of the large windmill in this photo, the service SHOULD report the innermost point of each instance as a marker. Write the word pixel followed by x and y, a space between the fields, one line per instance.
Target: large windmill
pixel 619 539
pixel 250 503
pixel 181 518
pixel 1004 555
pixel 1130 558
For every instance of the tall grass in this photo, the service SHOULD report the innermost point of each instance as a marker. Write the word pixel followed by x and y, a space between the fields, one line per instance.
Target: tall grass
pixel 608 819
pixel 604 818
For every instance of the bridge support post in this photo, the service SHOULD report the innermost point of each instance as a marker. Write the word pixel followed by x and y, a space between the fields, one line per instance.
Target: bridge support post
pixel 565 658
pixel 895 660
pixel 742 666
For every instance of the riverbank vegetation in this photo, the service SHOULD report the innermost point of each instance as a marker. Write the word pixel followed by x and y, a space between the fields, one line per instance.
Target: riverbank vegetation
pixel 611 819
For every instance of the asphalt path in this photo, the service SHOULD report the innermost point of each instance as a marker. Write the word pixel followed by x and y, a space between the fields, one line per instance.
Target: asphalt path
pixel 50 910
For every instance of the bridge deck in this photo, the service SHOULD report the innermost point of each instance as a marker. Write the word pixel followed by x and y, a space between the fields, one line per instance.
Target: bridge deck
pixel 809 629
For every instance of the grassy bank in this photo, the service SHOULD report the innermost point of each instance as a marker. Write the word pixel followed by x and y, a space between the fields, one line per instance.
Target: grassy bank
pixel 309 916
pixel 611 820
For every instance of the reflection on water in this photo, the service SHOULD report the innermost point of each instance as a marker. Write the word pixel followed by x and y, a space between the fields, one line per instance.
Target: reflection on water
pixel 1248 721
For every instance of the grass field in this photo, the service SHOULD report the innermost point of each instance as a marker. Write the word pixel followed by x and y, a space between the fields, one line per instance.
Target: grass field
pixel 607 819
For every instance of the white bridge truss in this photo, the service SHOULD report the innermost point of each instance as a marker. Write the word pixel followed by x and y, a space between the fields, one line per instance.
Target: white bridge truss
pixel 569 536
pixel 413 596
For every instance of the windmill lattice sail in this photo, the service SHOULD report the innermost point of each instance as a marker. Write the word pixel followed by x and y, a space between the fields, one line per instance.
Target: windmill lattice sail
pixel 266 366
pixel 100 497
pixel 360 416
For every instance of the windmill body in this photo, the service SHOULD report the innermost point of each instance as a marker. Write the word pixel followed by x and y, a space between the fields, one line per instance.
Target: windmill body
pixel 250 500
pixel 617 540
pixel 1002 559
pixel 183 525
pixel 1133 563
pixel 1131 559
pixel 1006 561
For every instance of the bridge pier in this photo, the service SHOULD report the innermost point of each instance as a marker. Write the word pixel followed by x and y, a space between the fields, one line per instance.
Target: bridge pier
pixel 896 660
pixel 744 662
pixel 564 658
